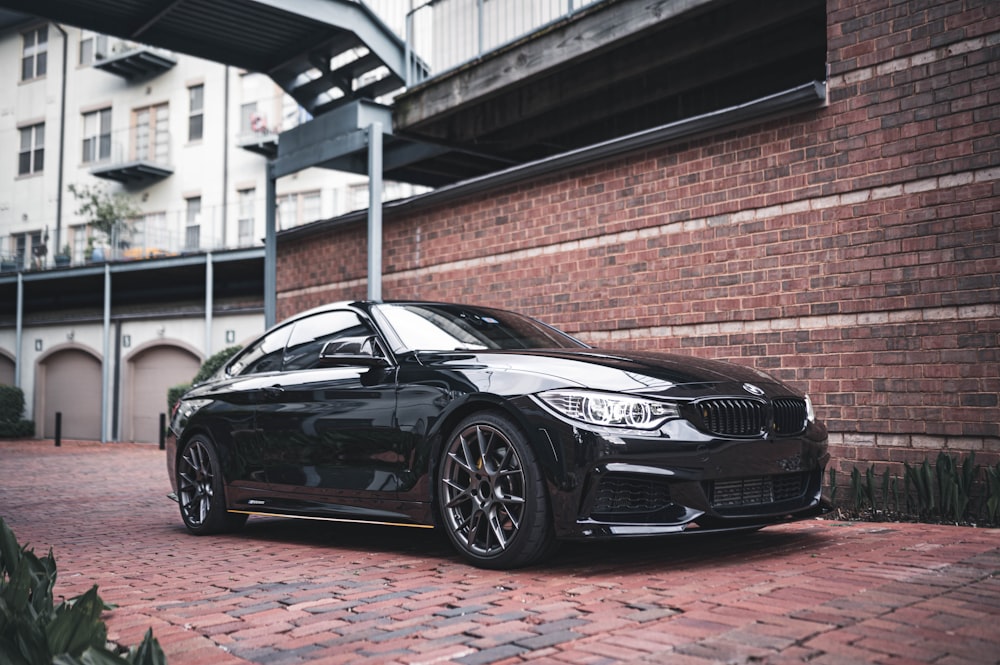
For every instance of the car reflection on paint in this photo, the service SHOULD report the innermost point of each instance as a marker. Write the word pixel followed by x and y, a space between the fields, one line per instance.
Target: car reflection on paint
pixel 508 434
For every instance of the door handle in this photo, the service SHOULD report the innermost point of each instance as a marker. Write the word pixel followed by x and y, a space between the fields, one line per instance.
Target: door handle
pixel 273 392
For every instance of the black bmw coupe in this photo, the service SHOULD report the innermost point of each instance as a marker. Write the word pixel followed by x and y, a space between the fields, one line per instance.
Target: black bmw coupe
pixel 505 432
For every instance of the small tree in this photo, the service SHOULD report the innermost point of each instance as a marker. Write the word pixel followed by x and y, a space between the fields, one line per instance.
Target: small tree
pixel 110 214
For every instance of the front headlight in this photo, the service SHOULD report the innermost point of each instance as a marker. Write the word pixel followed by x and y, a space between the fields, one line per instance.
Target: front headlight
pixel 609 409
pixel 810 414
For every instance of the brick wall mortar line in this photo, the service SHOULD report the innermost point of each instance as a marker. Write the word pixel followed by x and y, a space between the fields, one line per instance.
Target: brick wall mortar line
pixel 942 182
pixel 915 60
pixel 819 322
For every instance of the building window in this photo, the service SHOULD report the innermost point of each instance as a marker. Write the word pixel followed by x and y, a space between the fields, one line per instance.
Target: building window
pixel 79 235
pixel 96 136
pixel 34 53
pixel 93 47
pixel 246 223
pixel 19 243
pixel 192 232
pixel 311 207
pixel 298 208
pixel 196 112
pixel 31 157
pixel 358 195
pixel 286 211
pixel 151 136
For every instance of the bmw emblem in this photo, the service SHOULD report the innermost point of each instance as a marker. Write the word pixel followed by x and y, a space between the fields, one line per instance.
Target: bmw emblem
pixel 753 390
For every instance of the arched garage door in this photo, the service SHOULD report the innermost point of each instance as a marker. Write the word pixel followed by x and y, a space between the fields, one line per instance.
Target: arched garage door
pixel 151 372
pixel 6 371
pixel 71 384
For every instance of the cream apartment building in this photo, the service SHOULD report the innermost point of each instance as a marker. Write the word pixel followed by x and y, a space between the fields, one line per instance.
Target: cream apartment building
pixel 187 142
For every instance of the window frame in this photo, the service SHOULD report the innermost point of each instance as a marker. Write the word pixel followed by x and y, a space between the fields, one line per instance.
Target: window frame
pixel 34 53
pixel 196 112
pixel 31 158
pixel 99 143
pixel 192 219
pixel 151 133
pixel 245 216
pixel 93 47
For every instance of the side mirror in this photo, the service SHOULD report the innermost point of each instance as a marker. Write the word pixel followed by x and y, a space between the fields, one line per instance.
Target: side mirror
pixel 352 353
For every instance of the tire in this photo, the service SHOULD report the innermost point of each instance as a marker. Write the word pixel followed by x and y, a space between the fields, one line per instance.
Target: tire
pixel 201 492
pixel 491 495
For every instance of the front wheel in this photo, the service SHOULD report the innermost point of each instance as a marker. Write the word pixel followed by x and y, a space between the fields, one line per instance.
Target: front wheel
pixel 200 490
pixel 492 495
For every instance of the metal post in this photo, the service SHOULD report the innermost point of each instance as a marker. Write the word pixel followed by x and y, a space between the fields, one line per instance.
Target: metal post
pixel 106 373
pixel 19 325
pixel 209 302
pixel 58 428
pixel 270 249
pixel 375 211
pixel 163 431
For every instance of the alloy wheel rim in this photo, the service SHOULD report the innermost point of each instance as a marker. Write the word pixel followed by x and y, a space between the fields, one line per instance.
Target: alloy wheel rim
pixel 483 490
pixel 196 478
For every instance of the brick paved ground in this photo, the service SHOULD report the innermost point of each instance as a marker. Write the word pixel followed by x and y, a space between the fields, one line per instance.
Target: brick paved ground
pixel 284 592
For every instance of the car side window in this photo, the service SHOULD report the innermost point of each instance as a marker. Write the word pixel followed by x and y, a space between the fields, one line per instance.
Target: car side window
pixel 345 329
pixel 265 355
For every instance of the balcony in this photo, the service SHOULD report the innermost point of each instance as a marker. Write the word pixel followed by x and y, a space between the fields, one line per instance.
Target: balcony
pixel 139 155
pixel 134 61
pixel 263 120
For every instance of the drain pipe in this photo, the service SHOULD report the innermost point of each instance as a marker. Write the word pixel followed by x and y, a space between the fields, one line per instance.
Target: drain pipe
pixel 225 159
pixel 62 143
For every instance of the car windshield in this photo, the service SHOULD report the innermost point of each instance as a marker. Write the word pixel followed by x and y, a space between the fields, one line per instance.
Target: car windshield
pixel 433 327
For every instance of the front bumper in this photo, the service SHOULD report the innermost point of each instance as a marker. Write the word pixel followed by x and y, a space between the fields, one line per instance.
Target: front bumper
pixel 603 484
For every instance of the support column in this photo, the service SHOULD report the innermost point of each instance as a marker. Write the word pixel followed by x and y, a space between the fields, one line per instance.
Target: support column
pixel 209 302
pixel 106 360
pixel 375 211
pixel 270 248
pixel 19 334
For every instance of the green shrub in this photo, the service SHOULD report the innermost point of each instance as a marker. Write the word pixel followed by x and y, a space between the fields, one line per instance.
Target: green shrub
pixel 11 403
pixel 208 368
pixel 35 631
pixel 11 411
pixel 214 364
pixel 174 394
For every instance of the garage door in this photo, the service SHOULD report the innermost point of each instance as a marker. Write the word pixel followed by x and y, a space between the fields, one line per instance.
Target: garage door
pixel 151 373
pixel 71 381
pixel 6 371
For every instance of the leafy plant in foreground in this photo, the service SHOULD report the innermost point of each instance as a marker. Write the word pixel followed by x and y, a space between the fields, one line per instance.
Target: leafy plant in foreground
pixel 36 631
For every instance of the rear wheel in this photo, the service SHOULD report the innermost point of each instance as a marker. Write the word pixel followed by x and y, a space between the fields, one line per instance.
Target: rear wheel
pixel 200 489
pixel 492 494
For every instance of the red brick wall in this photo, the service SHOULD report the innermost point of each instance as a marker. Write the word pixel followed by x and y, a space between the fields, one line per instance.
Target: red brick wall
pixel 853 251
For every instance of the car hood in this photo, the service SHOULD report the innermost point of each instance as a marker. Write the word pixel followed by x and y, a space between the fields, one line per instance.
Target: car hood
pixel 644 372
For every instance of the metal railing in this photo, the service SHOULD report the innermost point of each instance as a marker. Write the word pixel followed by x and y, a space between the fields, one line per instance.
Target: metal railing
pixel 446 34
pixel 140 143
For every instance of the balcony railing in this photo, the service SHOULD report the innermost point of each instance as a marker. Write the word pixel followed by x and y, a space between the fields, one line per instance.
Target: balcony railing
pixel 140 154
pixel 131 60
pixel 446 34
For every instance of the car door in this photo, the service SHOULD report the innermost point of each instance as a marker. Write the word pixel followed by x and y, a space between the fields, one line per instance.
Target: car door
pixel 231 413
pixel 328 432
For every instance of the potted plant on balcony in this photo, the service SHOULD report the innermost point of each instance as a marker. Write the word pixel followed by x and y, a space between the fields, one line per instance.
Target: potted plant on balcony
pixel 63 257
pixel 110 214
